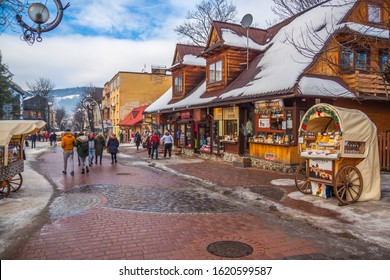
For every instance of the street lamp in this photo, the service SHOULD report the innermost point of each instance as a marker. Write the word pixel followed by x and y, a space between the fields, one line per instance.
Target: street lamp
pixel 90 104
pixel 49 105
pixel 39 14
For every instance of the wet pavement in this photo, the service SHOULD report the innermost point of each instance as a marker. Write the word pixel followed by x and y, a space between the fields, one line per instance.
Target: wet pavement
pixel 175 208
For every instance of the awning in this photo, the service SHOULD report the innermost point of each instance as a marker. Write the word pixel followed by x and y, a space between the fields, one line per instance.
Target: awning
pixel 9 128
pixel 134 118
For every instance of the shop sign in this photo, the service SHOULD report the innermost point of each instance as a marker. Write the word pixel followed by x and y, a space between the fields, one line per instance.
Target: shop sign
pixel 230 113
pixel 321 169
pixel 269 156
pixel 268 105
pixel 107 123
pixel 185 114
pixel 264 123
pixel 217 113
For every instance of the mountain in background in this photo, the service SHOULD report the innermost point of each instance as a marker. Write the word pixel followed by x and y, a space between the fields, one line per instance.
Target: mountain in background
pixel 67 98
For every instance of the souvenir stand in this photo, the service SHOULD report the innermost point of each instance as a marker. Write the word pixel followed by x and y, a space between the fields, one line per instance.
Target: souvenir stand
pixel 11 152
pixel 340 148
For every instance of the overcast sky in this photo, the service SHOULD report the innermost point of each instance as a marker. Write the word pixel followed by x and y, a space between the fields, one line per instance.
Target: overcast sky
pixel 98 38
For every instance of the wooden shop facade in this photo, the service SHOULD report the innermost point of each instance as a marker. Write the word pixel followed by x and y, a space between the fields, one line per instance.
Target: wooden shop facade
pixel 242 99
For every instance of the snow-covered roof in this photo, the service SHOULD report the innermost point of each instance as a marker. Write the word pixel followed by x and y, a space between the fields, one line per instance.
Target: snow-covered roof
pixel 233 39
pixel 280 67
pixel 191 60
pixel 313 86
pixel 283 62
pixel 193 99
pixel 366 30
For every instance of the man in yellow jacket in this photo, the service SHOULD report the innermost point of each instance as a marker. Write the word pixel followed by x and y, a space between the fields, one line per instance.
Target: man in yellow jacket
pixel 67 143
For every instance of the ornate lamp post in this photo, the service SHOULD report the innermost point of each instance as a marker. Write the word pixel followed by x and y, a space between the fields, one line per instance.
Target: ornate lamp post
pixel 40 15
pixel 90 104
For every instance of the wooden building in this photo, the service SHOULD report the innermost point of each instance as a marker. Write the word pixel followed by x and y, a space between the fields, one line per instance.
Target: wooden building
pixel 257 88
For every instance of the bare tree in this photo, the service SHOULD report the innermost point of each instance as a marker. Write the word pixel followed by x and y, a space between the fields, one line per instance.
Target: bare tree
pixel 79 117
pixel 198 21
pixel 41 88
pixel 287 8
pixel 353 42
pixel 60 116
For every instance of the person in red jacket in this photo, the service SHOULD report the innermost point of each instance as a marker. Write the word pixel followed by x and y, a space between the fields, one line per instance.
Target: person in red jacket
pixel 154 142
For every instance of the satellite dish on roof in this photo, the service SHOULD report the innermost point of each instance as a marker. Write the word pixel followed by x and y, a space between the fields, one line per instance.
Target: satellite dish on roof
pixel 246 21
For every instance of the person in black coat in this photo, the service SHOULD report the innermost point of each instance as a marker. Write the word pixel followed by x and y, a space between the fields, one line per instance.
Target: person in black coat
pixel 112 147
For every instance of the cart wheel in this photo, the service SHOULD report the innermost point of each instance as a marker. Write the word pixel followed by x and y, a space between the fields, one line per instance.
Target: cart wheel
pixel 5 189
pixel 348 184
pixel 302 180
pixel 16 182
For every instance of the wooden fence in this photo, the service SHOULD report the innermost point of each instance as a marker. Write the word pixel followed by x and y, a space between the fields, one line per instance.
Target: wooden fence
pixel 384 150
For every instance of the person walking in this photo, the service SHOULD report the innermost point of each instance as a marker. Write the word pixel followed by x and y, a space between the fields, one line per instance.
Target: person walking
pixel 53 138
pixel 167 140
pixel 148 146
pixel 91 148
pixel 100 145
pixel 82 151
pixel 112 147
pixel 137 139
pixel 67 143
pixel 154 142
pixel 33 140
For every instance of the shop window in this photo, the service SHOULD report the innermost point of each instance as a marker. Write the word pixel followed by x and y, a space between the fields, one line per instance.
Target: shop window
pixel 185 136
pixel 215 72
pixel 230 129
pixel 204 138
pixel 178 84
pixel 217 144
pixel 374 13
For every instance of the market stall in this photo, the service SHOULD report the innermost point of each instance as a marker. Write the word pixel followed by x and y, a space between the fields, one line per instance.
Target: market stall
pixel 274 132
pixel 11 152
pixel 340 149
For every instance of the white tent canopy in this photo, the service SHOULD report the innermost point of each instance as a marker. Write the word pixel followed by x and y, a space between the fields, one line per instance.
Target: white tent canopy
pixel 18 127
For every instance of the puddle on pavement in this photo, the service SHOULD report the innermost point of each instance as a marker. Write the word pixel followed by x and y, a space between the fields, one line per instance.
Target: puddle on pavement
pixel 269 192
pixel 167 199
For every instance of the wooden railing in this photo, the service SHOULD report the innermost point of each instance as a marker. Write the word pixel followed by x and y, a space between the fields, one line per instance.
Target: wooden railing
pixel 367 84
pixel 384 150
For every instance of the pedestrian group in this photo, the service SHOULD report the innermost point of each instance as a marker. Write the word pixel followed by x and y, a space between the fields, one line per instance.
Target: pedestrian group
pixel 90 148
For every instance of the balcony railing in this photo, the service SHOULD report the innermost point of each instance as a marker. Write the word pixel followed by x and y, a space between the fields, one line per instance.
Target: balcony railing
pixel 367 84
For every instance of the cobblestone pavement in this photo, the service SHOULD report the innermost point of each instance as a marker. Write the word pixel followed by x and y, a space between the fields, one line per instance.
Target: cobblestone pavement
pixel 173 209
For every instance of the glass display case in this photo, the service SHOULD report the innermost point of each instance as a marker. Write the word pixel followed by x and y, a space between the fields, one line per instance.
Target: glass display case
pixel 204 137
pixel 217 145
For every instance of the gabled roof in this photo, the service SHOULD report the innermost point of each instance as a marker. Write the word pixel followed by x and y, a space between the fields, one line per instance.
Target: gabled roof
pixel 188 55
pixel 284 59
pixel 234 35
pixel 279 69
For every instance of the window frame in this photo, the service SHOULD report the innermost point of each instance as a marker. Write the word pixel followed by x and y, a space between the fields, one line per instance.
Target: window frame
pixel 378 10
pixel 353 62
pixel 215 71
pixel 178 87
pixel 381 54
pixel 343 66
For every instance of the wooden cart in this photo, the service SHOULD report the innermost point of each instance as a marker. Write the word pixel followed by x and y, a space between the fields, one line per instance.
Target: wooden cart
pixel 340 149
pixel 11 153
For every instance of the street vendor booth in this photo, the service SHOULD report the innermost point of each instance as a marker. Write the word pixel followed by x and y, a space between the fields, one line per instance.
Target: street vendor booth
pixel 11 152
pixel 274 136
pixel 340 149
